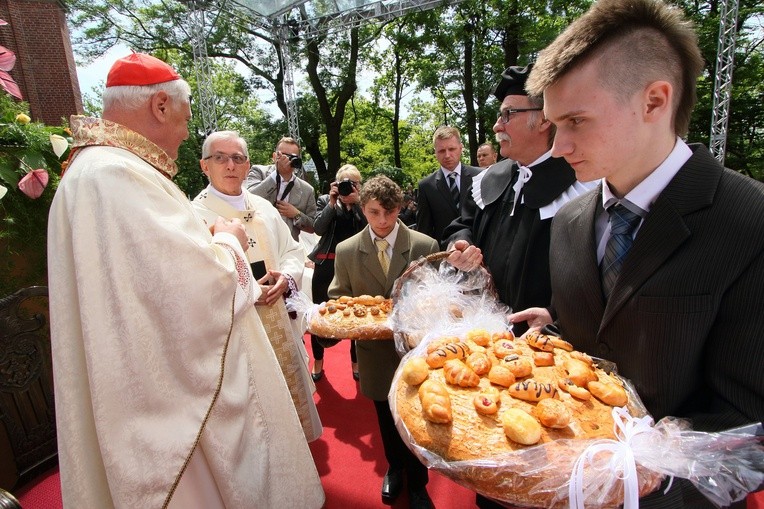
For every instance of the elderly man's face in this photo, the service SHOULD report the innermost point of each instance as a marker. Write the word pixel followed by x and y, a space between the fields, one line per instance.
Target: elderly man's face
pixel 519 138
pixel 179 114
pixel 221 166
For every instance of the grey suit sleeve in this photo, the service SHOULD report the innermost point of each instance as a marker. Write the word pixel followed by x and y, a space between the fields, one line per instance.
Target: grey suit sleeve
pixel 341 284
pixel 308 216
pixel 254 177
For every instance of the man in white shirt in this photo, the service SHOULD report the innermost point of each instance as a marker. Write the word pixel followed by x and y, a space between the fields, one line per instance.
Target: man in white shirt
pixel 368 263
pixel 294 198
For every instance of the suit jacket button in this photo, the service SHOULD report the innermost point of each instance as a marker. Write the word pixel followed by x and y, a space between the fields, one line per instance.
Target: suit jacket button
pixel 603 349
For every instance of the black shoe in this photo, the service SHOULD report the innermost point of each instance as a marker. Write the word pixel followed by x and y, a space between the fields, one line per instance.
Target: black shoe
pixel 317 376
pixel 391 485
pixel 420 499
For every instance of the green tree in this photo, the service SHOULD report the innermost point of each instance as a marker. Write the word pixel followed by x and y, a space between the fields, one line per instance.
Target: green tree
pixel 153 26
pixel 745 140
pixel 366 142
pixel 471 43
pixel 393 59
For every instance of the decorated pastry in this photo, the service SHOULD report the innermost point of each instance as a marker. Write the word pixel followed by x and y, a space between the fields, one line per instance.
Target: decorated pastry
pixel 363 317
pixel 543 402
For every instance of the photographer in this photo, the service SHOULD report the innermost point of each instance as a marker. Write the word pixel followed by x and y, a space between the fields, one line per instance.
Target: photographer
pixel 293 197
pixel 339 218
pixel 408 211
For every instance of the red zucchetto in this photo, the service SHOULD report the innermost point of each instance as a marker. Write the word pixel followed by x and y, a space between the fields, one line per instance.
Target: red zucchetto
pixel 139 69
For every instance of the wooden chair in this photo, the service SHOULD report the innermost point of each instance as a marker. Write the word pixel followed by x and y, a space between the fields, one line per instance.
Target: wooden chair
pixel 27 415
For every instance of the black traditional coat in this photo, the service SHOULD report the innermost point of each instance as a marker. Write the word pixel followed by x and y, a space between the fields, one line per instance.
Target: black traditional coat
pixel 515 248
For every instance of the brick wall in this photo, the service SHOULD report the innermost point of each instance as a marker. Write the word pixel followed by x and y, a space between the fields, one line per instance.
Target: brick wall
pixel 45 68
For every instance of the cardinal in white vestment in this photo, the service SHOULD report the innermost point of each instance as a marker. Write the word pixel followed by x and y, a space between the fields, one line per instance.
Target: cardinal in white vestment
pixel 277 261
pixel 168 392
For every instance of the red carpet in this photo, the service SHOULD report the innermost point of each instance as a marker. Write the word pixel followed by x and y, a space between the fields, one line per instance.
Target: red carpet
pixel 348 456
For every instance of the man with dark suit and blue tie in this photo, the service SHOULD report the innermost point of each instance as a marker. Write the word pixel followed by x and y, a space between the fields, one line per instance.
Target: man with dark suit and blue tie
pixel 661 267
pixel 442 193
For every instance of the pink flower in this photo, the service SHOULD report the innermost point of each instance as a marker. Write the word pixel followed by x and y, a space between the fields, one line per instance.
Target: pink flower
pixel 7 61
pixel 33 183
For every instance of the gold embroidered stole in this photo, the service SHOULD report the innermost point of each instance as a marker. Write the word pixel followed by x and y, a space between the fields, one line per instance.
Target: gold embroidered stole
pixel 275 320
pixel 91 131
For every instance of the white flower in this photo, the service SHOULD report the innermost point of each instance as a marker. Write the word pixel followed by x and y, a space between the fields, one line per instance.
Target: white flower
pixel 59 144
pixel 3 190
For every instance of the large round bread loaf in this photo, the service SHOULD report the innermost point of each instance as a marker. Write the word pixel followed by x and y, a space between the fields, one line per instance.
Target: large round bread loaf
pixel 364 317
pixel 474 449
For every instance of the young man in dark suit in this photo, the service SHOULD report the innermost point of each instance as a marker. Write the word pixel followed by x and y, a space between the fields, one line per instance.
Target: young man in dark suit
pixel 660 268
pixel 359 269
pixel 442 193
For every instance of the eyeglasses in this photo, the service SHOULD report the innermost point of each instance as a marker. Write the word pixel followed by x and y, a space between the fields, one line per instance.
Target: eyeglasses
pixel 221 158
pixel 506 115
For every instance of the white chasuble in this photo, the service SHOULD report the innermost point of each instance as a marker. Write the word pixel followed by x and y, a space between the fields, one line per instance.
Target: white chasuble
pixel 271 241
pixel 158 352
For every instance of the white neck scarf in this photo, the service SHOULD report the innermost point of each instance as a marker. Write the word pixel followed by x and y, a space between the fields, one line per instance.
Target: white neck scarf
pixel 524 176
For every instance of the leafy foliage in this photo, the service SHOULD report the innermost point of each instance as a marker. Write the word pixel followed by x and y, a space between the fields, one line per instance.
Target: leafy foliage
pixel 423 69
pixel 23 234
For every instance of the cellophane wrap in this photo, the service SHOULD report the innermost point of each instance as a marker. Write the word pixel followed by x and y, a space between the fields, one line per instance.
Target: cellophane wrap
pixel 436 301
pixel 578 473
pixel 301 304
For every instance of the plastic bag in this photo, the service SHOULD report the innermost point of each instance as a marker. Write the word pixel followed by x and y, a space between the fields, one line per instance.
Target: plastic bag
pixel 595 473
pixel 301 304
pixel 430 301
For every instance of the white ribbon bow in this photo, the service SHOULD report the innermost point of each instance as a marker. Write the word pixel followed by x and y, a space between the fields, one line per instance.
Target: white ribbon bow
pixel 621 464
pixel 524 176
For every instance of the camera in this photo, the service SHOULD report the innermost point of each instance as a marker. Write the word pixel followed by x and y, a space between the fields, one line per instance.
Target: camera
pixel 345 187
pixel 295 161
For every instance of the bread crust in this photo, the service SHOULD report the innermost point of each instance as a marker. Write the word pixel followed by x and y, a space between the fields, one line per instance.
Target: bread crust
pixel 473 434
pixel 359 318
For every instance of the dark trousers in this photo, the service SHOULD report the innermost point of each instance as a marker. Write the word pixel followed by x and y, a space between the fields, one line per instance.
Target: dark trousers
pixel 323 274
pixel 318 350
pixel 398 456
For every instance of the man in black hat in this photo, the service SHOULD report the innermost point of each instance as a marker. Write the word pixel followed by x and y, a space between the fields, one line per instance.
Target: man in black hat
pixel 509 212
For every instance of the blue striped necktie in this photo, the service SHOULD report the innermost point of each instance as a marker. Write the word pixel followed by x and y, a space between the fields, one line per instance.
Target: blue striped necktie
pixel 454 188
pixel 622 225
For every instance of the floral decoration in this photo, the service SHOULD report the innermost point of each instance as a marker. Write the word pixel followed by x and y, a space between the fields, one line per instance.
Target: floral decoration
pixel 31 156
